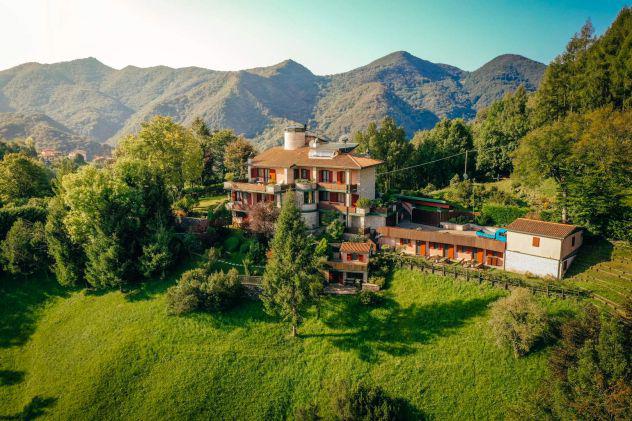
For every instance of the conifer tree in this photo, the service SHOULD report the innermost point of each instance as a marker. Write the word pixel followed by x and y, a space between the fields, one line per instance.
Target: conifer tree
pixel 292 271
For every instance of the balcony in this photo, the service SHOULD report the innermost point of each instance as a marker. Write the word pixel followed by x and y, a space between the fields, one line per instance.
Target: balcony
pixel 305 185
pixel 256 187
pixel 338 187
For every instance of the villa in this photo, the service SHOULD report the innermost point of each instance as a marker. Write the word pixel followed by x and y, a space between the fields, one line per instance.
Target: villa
pixel 324 175
pixel 327 176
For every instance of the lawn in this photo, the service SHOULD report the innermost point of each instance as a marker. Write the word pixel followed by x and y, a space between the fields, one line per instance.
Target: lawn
pixel 605 268
pixel 70 354
pixel 207 202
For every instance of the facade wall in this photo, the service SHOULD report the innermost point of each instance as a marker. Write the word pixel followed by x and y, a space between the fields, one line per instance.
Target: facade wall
pixel 523 263
pixel 550 248
pixel 311 219
pixel 366 183
pixel 567 244
pixel 374 221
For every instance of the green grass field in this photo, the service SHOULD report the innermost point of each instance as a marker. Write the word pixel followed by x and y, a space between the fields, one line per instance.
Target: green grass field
pixel 207 202
pixel 605 268
pixel 72 354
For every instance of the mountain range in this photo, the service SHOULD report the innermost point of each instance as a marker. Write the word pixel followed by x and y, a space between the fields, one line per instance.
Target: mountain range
pixel 84 101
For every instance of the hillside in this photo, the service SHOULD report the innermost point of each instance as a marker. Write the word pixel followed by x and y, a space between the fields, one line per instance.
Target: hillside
pixel 46 133
pixel 80 355
pixel 102 104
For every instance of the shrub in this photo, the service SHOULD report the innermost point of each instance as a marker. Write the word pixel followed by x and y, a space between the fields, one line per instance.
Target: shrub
pixel 8 216
pixel 335 230
pixel 501 214
pixel 24 249
pixel 198 290
pixel 366 403
pixel 378 280
pixel 369 298
pixel 363 202
pixel 185 296
pixel 518 321
pixel 221 291
pixel 212 256
pixel 232 243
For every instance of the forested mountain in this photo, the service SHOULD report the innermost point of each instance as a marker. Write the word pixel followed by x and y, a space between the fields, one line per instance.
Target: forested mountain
pixel 46 133
pixel 101 104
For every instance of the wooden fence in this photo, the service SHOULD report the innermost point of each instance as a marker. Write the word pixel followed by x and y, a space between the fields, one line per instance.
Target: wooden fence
pixel 493 278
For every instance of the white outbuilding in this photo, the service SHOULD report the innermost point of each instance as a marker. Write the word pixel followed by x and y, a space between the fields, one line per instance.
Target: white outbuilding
pixel 541 248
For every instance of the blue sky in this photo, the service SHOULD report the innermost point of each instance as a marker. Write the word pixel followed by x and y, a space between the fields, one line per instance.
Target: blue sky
pixel 324 35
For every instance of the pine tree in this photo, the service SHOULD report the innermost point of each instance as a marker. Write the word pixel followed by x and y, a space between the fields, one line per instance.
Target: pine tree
pixel 292 271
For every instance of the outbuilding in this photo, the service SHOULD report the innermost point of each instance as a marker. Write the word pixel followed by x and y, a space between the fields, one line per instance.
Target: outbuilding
pixel 541 248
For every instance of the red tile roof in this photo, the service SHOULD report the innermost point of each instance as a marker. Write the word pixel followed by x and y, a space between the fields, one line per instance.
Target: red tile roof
pixel 545 229
pixel 279 157
pixel 351 247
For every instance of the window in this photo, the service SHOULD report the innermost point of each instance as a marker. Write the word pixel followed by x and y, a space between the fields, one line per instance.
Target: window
pixel 323 196
pixel 572 243
pixel 354 256
pixel 341 177
pixel 305 174
pixel 335 197
pixel 404 241
pixel 565 264
pixel 536 242
pixel 325 176
pixel 308 197
pixel 348 257
pixel 361 257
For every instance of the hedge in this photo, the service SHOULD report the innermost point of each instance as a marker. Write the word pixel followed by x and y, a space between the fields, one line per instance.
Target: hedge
pixel 501 214
pixel 8 215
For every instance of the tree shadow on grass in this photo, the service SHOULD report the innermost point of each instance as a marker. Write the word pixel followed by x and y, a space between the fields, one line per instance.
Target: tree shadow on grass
pixel 149 289
pixel 34 409
pixel 594 251
pixel 11 377
pixel 393 329
pixel 21 299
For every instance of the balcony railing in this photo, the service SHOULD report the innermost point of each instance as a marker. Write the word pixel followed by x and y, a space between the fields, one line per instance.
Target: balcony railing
pixel 256 187
pixel 338 187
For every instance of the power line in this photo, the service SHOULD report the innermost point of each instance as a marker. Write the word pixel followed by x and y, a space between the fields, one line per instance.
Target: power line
pixel 437 160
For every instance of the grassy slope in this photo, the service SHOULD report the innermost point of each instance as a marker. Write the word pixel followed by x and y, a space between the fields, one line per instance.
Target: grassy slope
pixel 96 356
pixel 603 267
pixel 207 202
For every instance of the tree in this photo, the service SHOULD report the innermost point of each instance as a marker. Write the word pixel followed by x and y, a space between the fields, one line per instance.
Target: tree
pixel 591 73
pixel 23 251
pixel 590 374
pixel 518 321
pixel 448 139
pixel 68 256
pixel 546 152
pixel 389 144
pixel 263 217
pixel 169 148
pixel 497 131
pixel 22 177
pixel 589 158
pixel 213 145
pixel 603 167
pixel 236 157
pixel 113 224
pixel 291 269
